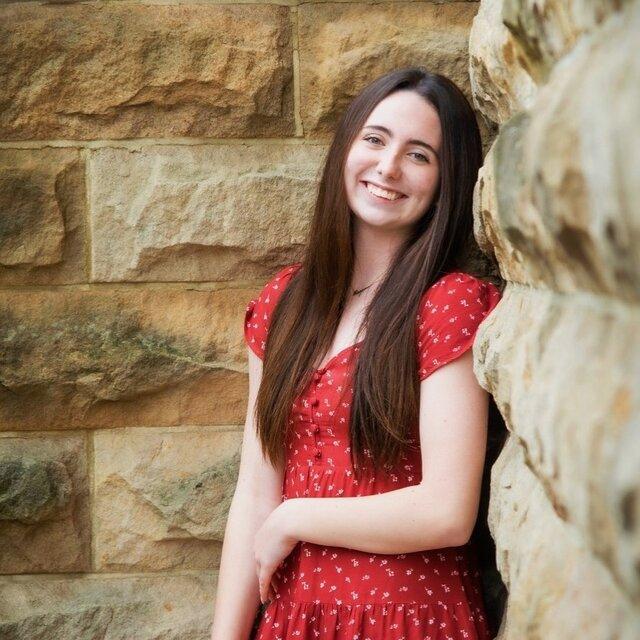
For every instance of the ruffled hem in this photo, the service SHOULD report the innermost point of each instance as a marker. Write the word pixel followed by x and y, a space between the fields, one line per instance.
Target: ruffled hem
pixel 285 619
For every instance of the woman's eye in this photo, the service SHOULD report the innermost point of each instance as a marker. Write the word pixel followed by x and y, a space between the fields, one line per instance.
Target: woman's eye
pixel 375 139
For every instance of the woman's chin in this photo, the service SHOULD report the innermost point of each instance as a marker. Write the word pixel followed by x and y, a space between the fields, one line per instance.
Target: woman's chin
pixel 377 220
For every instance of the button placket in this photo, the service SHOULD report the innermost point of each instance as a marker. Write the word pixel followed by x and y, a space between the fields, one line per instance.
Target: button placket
pixel 317 377
pixel 318 452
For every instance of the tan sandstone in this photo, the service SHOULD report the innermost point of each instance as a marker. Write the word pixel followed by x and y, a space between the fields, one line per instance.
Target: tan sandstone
pixel 44 503
pixel 343 46
pixel 556 204
pixel 515 44
pixel 500 81
pixel 200 212
pixel 129 357
pixel 104 70
pixel 162 497
pixel 549 29
pixel 114 607
pixel 578 435
pixel 565 173
pixel 42 228
pixel 557 588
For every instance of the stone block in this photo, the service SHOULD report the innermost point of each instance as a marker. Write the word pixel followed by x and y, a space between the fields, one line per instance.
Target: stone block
pixel 44 503
pixel 95 71
pixel 344 46
pixel 162 497
pixel 566 193
pixel 93 358
pixel 171 607
pixel 575 421
pixel 223 212
pixel 42 228
pixel 500 80
pixel 557 588
pixel 545 36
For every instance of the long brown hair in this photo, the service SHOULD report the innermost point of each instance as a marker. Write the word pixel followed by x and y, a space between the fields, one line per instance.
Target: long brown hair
pixel 386 386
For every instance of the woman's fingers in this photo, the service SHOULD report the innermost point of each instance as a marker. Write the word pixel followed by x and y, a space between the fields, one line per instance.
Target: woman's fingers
pixel 267 581
pixel 264 581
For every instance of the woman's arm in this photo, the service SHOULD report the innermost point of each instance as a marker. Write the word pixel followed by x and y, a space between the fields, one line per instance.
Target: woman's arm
pixel 258 492
pixel 440 511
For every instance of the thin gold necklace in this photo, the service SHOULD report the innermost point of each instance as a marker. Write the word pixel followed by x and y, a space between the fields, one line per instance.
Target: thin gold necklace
pixel 357 291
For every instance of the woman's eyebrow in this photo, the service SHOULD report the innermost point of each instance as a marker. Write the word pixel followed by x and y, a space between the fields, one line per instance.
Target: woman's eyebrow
pixel 418 142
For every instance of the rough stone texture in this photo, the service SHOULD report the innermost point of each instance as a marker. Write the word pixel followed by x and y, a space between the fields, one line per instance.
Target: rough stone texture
pixel 556 204
pixel 496 213
pixel 44 503
pixel 33 490
pixel 514 45
pixel 500 82
pixel 161 607
pixel 581 155
pixel 107 71
pixel 584 453
pixel 42 198
pixel 200 212
pixel 162 497
pixel 557 588
pixel 343 46
pixel 567 181
pixel 111 358
pixel 546 30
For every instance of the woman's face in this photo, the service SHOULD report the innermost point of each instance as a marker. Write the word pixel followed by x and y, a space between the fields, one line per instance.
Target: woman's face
pixel 396 150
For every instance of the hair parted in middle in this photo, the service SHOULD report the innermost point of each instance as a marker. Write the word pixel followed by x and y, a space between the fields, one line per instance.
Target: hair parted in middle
pixel 386 388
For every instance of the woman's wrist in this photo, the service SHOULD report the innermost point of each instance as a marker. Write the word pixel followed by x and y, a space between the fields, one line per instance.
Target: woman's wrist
pixel 288 517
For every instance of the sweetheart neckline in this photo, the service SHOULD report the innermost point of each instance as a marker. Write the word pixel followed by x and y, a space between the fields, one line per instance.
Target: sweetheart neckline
pixel 329 362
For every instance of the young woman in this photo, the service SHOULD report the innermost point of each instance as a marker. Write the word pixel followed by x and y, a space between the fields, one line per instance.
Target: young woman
pixel 366 428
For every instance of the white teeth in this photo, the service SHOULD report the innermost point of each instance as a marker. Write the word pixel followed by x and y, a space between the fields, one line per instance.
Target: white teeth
pixel 383 193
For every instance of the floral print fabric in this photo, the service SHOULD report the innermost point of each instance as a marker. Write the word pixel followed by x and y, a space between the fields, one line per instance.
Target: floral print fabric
pixel 334 593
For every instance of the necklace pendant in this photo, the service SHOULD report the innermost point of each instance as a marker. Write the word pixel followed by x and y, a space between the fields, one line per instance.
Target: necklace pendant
pixel 357 291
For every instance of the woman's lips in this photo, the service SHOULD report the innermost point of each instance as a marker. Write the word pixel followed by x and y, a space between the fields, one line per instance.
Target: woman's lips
pixel 380 198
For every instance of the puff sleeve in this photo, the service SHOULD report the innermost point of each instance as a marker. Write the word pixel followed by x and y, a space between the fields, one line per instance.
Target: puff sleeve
pixel 449 315
pixel 259 309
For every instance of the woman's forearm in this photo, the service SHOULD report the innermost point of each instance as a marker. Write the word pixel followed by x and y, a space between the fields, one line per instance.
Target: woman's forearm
pixel 400 521
pixel 237 593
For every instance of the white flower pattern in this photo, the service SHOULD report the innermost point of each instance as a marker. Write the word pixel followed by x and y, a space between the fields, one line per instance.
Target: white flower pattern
pixel 337 593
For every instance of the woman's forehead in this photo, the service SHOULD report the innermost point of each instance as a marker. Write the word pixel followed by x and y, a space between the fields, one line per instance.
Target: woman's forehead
pixel 407 115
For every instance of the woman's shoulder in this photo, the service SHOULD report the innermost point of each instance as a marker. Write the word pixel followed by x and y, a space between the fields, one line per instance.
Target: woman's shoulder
pixel 286 273
pixel 451 311
pixel 278 282
pixel 460 286
pixel 259 309
pixel 274 287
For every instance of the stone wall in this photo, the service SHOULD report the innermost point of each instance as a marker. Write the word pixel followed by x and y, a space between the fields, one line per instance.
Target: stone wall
pixel 158 162
pixel 557 205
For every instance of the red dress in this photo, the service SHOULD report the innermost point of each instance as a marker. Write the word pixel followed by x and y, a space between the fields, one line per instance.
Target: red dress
pixel 335 593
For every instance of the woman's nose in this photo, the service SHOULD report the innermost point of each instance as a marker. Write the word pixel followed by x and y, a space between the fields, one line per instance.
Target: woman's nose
pixel 389 164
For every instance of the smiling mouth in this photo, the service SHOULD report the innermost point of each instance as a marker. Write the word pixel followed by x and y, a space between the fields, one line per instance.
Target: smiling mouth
pixel 383 194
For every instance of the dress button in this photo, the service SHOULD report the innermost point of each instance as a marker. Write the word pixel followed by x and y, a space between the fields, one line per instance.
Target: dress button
pixel 315 402
pixel 317 376
pixel 318 453
pixel 316 430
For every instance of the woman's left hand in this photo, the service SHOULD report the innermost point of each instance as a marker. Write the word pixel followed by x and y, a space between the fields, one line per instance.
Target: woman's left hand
pixel 272 544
